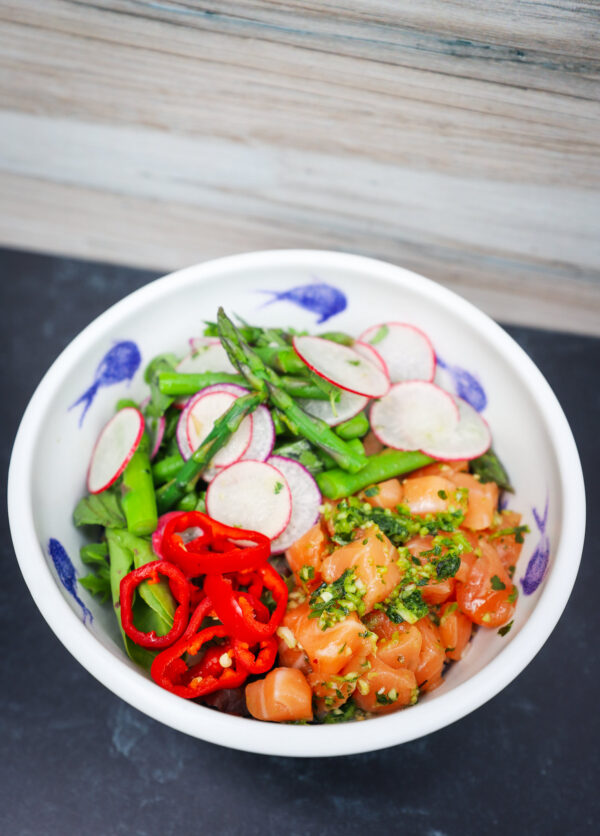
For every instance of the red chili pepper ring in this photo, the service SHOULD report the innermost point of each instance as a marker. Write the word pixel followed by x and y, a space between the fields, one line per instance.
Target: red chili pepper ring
pixel 179 586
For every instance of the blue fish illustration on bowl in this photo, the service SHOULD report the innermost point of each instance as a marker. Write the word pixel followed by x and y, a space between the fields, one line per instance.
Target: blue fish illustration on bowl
pixel 67 574
pixel 465 384
pixel 538 562
pixel 316 297
pixel 120 363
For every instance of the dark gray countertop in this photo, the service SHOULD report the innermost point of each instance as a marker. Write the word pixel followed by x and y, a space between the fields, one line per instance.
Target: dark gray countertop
pixel 77 760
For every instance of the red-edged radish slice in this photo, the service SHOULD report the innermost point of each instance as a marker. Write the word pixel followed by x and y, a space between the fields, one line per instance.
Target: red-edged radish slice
pixel 469 439
pixel 155 427
pixel 306 502
pixel 347 407
pixel 261 444
pixel 207 355
pixel 367 350
pixel 252 495
pixel 200 417
pixel 342 366
pixel 412 414
pixel 406 350
pixel 115 446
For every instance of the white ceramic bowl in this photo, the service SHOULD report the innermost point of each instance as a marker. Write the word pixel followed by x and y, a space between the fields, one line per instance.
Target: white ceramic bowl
pixel 531 435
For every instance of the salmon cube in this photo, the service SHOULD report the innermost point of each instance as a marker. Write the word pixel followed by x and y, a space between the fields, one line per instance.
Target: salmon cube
pixel 283 695
pixel 373 559
pixel 328 650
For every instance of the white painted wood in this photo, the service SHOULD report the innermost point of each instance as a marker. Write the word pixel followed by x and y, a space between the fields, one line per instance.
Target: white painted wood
pixel 458 139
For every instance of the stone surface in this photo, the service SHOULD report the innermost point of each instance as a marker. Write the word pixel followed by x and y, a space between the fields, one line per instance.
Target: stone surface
pixel 76 759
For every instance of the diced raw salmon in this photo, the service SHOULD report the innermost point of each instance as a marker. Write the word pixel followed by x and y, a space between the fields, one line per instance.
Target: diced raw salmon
pixel 434 592
pixel 482 500
pixel 437 593
pixel 283 695
pixel 331 691
pixel 399 645
pixel 309 550
pixel 293 657
pixel 389 494
pixel 428 494
pixel 455 630
pixel 487 596
pixel 328 650
pixel 507 547
pixel 432 656
pixel 373 559
pixel 382 689
pixel 441 469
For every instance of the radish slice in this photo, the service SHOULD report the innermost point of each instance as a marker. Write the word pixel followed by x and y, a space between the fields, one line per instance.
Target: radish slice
pixel 306 502
pixel 412 414
pixel 366 350
pixel 158 533
pixel 200 416
pixel 347 407
pixel 251 495
pixel 115 446
pixel 261 444
pixel 207 355
pixel 405 349
pixel 468 439
pixel 155 427
pixel 342 366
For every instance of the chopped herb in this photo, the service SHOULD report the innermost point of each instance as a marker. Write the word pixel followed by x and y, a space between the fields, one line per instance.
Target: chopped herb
pixel 380 335
pixel 353 362
pixel 511 571
pixel 307 573
pixel 332 602
pixel 497 584
pixel 278 487
pixel 346 712
pixel 517 530
pixel 513 595
pixel 387 699
pixel 447 567
pixel 365 542
pixel 372 491
pixel 504 630
pixel 351 514
pixel 442 495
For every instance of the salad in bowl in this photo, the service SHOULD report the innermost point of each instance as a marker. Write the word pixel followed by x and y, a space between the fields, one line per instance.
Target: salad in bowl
pixel 269 496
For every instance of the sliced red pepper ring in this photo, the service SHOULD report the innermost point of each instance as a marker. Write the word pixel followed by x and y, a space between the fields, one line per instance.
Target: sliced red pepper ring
pixel 172 672
pixel 238 611
pixel 259 661
pixel 179 586
pixel 233 549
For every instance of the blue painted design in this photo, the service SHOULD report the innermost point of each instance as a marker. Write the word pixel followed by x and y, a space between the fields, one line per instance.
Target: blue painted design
pixel 538 562
pixel 503 501
pixel 467 386
pixel 67 574
pixel 318 297
pixel 120 363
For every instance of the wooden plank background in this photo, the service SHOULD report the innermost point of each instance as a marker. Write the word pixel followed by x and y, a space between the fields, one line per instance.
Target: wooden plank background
pixel 459 139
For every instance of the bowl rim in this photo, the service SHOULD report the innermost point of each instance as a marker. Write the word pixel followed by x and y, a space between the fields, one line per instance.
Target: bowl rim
pixel 289 740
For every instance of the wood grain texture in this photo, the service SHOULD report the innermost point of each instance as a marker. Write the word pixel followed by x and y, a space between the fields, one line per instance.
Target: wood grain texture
pixel 457 139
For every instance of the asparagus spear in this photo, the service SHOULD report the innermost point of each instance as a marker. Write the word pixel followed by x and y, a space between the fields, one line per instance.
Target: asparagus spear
pixel 137 492
pixel 167 469
pixel 354 427
pixel 336 483
pixel 171 493
pixel 176 384
pixel 266 381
